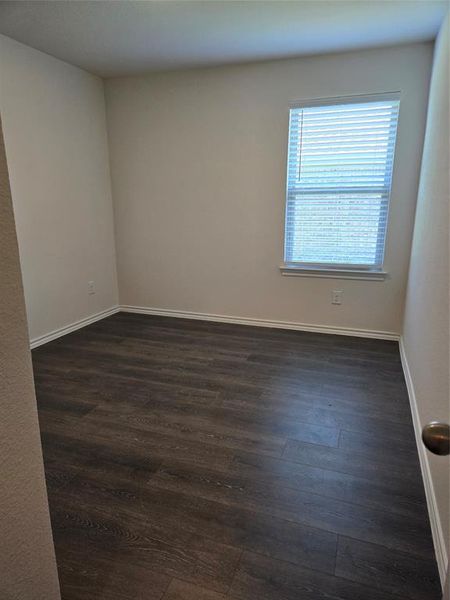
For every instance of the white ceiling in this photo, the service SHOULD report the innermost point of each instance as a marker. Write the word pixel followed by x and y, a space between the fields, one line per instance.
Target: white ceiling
pixel 121 37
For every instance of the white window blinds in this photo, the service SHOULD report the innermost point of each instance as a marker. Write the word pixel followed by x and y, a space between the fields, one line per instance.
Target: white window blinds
pixel 340 161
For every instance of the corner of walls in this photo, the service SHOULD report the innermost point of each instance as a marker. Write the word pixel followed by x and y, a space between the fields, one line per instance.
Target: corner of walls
pixel 60 332
pixel 424 343
pixel 116 304
pixel 111 188
pixel 115 308
pixel 54 120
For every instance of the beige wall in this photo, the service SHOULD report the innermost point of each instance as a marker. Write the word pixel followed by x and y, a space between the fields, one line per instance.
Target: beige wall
pixel 198 160
pixel 27 561
pixel 55 135
pixel 426 324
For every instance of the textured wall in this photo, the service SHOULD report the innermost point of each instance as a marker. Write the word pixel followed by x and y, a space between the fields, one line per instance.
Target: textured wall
pixel 426 325
pixel 27 561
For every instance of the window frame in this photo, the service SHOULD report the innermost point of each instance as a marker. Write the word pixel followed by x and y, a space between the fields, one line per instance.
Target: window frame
pixel 339 270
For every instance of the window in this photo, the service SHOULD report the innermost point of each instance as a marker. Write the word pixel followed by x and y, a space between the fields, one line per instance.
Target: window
pixel 340 160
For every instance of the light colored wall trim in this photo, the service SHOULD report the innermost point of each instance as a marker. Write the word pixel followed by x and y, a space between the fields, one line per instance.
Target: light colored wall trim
pixel 53 335
pixel 293 271
pixel 436 527
pixel 184 314
pixel 366 333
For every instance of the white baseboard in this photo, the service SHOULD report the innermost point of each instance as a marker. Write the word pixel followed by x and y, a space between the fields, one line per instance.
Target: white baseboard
pixel 183 314
pixel 53 335
pixel 365 333
pixel 436 525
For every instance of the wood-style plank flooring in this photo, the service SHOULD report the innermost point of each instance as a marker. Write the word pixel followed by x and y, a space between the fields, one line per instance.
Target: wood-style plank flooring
pixel 188 460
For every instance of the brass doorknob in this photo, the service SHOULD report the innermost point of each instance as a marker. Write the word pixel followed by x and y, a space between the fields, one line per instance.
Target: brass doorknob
pixel 436 437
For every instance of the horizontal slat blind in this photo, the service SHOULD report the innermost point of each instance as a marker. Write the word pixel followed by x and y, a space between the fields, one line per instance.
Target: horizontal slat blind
pixel 340 163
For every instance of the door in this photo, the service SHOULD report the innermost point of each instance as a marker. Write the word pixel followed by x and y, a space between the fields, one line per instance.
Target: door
pixel 436 437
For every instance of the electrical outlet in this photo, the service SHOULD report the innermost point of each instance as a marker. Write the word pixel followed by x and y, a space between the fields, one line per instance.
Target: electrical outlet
pixel 91 287
pixel 336 297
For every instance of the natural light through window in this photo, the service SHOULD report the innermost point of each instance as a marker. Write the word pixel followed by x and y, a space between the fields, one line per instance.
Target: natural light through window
pixel 340 162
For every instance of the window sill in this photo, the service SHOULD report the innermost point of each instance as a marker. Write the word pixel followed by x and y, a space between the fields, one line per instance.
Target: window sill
pixel 365 275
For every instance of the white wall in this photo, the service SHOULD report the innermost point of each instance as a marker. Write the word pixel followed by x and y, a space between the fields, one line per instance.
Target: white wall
pixel 426 323
pixel 198 162
pixel 55 136
pixel 27 558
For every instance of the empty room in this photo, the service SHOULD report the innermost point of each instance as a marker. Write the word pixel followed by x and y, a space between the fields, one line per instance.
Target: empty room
pixel 224 300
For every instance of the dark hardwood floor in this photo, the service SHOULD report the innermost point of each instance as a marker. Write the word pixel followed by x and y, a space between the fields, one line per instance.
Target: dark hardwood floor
pixel 188 460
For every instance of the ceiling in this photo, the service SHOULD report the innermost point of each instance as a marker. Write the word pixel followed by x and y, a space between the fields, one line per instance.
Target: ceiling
pixel 122 37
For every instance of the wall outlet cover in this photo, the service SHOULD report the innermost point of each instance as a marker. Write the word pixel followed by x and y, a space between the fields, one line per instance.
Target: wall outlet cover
pixel 336 297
